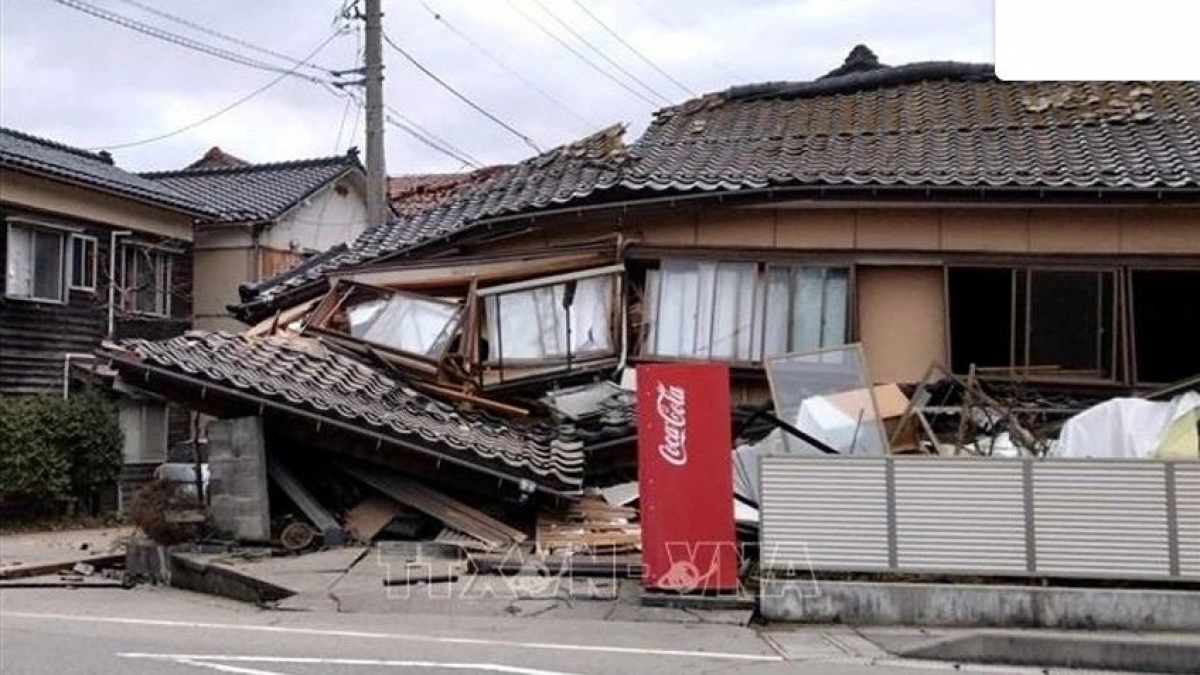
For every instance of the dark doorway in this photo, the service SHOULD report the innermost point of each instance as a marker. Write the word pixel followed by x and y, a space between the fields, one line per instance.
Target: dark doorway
pixel 981 319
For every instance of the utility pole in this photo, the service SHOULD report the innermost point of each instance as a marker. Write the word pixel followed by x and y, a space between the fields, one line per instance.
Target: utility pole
pixel 373 72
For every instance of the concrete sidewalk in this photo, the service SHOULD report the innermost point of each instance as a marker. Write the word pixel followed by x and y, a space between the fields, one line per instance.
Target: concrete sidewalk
pixel 36 548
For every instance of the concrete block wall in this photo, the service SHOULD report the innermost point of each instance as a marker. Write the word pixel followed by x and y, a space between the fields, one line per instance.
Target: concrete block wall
pixel 237 460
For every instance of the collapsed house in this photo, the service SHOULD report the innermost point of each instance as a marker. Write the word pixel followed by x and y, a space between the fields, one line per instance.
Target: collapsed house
pixel 1043 234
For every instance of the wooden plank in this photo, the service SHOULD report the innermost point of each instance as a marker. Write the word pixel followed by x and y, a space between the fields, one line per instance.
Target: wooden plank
pixel 38 569
pixel 313 509
pixel 448 510
pixel 282 318
pixel 368 518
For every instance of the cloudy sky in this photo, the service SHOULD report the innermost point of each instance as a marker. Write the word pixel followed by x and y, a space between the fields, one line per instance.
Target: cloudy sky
pixel 84 81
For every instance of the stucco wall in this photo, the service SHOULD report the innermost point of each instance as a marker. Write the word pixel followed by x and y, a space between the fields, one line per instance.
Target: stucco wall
pixel 121 213
pixel 217 275
pixel 328 218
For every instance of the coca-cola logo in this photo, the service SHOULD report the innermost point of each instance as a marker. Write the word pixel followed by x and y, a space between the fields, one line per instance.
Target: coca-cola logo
pixel 672 410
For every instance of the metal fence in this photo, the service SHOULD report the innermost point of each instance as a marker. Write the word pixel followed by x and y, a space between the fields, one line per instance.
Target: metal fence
pixel 992 517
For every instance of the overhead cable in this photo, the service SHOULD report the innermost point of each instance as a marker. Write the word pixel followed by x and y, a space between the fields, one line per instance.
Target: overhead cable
pixel 636 52
pixel 440 18
pixel 459 95
pixel 195 45
pixel 582 57
pixel 600 52
pixel 223 36
pixel 208 118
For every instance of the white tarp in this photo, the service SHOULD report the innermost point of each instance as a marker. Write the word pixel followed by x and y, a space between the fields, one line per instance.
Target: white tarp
pixel 1134 428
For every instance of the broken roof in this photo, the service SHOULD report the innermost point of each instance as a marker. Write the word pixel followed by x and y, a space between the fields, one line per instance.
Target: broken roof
pixel 255 192
pixel 410 194
pixel 920 126
pixel 24 152
pixel 303 377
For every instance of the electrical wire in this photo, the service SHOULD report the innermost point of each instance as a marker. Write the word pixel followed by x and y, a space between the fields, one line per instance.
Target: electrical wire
pixel 174 38
pixel 636 52
pixel 591 64
pixel 665 23
pixel 460 96
pixel 600 52
pixel 413 129
pixel 207 118
pixel 408 121
pixel 587 124
pixel 223 36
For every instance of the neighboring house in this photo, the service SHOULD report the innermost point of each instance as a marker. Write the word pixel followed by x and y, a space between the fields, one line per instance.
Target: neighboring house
pixel 1042 231
pixel 1047 233
pixel 268 218
pixel 91 252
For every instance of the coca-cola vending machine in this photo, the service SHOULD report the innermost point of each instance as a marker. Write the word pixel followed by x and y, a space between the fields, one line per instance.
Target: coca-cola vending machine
pixel 685 478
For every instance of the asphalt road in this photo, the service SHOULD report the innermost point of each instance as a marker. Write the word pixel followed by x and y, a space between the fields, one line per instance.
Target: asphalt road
pixel 161 631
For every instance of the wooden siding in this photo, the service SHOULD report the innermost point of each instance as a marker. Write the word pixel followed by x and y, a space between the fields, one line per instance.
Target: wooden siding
pixel 36 336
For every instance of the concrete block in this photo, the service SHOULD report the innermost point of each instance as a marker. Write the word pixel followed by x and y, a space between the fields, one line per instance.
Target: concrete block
pixel 238 503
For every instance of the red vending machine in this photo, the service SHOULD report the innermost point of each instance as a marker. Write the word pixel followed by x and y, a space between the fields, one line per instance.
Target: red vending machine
pixel 685 478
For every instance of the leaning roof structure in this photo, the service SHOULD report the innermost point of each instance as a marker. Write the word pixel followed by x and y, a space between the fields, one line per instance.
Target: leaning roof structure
pixel 932 126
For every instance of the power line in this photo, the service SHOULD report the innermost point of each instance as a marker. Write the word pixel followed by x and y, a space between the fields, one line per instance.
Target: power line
pixel 599 52
pixel 637 52
pixel 408 121
pixel 665 23
pixel 222 36
pixel 279 78
pixel 588 124
pixel 475 106
pixel 413 129
pixel 167 36
pixel 566 45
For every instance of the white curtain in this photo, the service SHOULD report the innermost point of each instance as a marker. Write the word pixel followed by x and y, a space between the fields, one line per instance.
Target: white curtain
pixel 403 322
pixel 731 312
pixel 532 324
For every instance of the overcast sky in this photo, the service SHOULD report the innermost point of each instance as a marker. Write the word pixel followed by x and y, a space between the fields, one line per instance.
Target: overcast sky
pixel 87 82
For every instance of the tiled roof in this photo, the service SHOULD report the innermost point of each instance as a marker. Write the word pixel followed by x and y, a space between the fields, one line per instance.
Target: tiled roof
pixel 554 177
pixel 255 191
pixel 410 194
pixel 304 375
pixel 22 151
pixel 216 158
pixel 921 125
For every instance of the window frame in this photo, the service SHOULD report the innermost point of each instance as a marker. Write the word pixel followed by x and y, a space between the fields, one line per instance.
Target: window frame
pixel 496 358
pixel 86 240
pixel 128 296
pixel 34 227
pixel 1021 331
pixel 759 313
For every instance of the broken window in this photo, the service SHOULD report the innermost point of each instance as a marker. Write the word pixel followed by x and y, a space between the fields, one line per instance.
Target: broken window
pixel 743 311
pixel 564 320
pixel 1166 324
pixel 399 321
pixel 1041 322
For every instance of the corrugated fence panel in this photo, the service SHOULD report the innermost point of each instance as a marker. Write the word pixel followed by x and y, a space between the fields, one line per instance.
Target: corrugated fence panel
pixel 1187 510
pixel 960 515
pixel 1101 518
pixel 832 514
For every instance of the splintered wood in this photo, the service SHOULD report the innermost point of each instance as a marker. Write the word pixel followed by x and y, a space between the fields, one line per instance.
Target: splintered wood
pixel 589 525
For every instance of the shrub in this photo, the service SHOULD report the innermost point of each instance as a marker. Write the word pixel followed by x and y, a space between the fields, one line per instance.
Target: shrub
pixel 54 447
pixel 31 468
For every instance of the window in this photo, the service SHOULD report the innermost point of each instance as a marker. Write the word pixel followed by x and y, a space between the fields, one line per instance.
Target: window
pixel 405 322
pixel 1044 322
pixel 35 264
pixel 1166 324
pixel 145 281
pixel 144 426
pixel 572 319
pixel 83 262
pixel 397 321
pixel 743 311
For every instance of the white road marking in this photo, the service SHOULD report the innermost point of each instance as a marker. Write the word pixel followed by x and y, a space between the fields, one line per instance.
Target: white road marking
pixel 211 661
pixel 412 637
pixel 223 668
